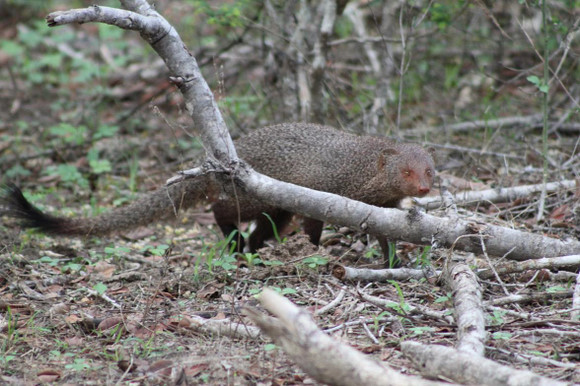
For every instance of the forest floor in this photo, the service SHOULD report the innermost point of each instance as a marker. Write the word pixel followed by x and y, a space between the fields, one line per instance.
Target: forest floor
pixel 128 308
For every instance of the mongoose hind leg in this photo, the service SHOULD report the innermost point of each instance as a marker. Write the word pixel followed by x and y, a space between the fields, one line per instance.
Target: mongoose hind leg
pixel 313 228
pixel 395 262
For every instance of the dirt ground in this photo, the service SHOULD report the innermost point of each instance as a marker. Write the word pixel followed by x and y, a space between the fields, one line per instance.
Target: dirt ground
pixel 129 308
pixel 142 327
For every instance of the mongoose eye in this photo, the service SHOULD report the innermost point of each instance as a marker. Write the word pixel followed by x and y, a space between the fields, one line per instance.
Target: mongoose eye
pixel 407 173
pixel 428 172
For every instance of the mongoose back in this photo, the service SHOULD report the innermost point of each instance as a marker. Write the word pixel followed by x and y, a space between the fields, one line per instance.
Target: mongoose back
pixel 373 170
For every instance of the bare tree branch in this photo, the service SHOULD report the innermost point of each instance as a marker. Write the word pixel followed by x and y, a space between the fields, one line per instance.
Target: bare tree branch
pixel 323 358
pixel 468 306
pixel 440 361
pixel 498 195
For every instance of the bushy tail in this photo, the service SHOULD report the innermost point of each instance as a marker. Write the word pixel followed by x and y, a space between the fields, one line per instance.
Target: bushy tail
pixel 161 204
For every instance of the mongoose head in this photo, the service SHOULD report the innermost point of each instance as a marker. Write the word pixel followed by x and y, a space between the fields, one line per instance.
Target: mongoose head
pixel 411 170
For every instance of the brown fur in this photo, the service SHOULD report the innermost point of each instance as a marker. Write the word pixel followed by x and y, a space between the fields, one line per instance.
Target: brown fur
pixel 373 170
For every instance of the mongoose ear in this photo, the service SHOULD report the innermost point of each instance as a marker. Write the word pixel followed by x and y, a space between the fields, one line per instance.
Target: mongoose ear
pixel 382 161
pixel 432 152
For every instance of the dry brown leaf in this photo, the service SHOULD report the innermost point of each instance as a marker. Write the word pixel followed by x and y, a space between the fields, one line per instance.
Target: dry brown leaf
pixel 127 366
pixel 104 269
pixel 75 341
pixel 161 366
pixel 109 323
pixel 48 375
pixel 210 291
pixel 72 318
pixel 118 291
pixel 195 370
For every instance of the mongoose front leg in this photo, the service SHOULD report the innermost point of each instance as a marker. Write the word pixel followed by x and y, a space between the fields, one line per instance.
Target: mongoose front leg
pixel 265 227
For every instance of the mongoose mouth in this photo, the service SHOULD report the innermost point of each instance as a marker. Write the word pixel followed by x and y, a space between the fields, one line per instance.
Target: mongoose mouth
pixel 421 192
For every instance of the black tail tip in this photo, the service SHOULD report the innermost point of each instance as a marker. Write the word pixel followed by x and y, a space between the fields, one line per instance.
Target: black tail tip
pixel 14 204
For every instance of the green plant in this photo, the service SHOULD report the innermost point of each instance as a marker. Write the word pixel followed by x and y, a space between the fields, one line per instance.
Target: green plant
pixel 69 174
pixel 314 262
pixel 443 299
pixel 377 319
pixel 157 250
pixel 117 252
pixel 555 289
pixel 274 229
pixel 227 14
pixel 442 13
pixel 373 253
pixel 98 166
pixel 11 336
pixel 226 262
pixel 68 133
pixel 497 317
pixel 220 254
pixel 393 260
pixel 403 306
pixel 79 364
pixel 251 258
pixel 424 260
pixel 501 335
pixel 100 288
pixel 66 264
pixel 421 330
pixel 17 171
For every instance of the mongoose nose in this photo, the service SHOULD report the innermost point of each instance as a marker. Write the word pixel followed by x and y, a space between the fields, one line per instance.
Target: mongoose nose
pixel 423 189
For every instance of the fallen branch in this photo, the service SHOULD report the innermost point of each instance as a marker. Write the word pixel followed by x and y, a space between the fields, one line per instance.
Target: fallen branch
pixel 511 122
pixel 444 362
pixel 530 360
pixel 533 297
pixel 331 305
pixel 220 327
pixel 498 195
pixel 575 314
pixel 468 308
pixel 323 358
pixel 572 261
pixel 345 273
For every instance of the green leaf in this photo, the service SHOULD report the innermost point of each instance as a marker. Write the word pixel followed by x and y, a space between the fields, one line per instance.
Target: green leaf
pixel 11 48
pixel 501 335
pixel 555 289
pixel 288 291
pixel 104 131
pixel 533 79
pixel 69 133
pixel 68 173
pixel 100 166
pixel 100 288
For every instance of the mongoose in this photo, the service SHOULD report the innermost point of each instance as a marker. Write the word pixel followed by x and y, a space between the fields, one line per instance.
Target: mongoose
pixel 373 170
